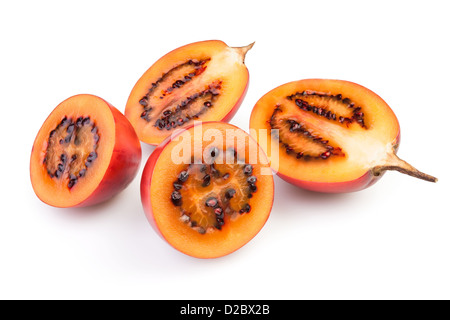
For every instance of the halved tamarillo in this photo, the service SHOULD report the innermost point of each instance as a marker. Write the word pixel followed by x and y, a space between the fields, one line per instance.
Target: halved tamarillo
pixel 332 135
pixel 85 152
pixel 200 81
pixel 208 189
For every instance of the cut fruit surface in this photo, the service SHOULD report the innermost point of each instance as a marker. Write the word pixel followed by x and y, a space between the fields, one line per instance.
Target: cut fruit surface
pixel 85 152
pixel 333 135
pixel 213 199
pixel 201 81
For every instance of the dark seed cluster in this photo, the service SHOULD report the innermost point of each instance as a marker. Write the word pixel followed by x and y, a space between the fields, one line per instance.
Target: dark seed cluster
pixel 229 193
pixel 176 198
pixel 245 209
pixel 69 130
pixel 299 129
pixel 197 68
pixel 183 176
pixel 319 111
pixel 357 115
pixel 219 218
pixel 206 180
pixel 212 202
pixel 248 169
pixel 179 115
pixel 90 158
pixel 218 204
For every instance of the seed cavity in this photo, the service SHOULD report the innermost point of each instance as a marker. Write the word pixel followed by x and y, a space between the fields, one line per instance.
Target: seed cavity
pixel 71 149
pixel 171 101
pixel 299 141
pixel 329 106
pixel 176 114
pixel 212 191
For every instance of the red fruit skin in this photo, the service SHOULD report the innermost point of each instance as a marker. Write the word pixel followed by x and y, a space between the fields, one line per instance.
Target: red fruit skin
pixel 361 183
pixel 146 181
pixel 124 164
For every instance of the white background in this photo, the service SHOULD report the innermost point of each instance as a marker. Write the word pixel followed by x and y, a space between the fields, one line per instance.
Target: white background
pixel 389 241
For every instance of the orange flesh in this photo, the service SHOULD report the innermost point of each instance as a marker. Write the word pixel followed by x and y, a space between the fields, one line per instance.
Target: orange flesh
pixel 181 83
pixel 357 126
pixel 237 228
pixel 47 151
pixel 71 147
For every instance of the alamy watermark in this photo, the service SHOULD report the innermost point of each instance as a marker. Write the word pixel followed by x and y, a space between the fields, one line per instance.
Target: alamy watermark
pixel 190 147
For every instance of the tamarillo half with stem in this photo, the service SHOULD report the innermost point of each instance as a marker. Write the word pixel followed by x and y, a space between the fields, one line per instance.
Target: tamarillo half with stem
pixel 332 135
pixel 204 81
